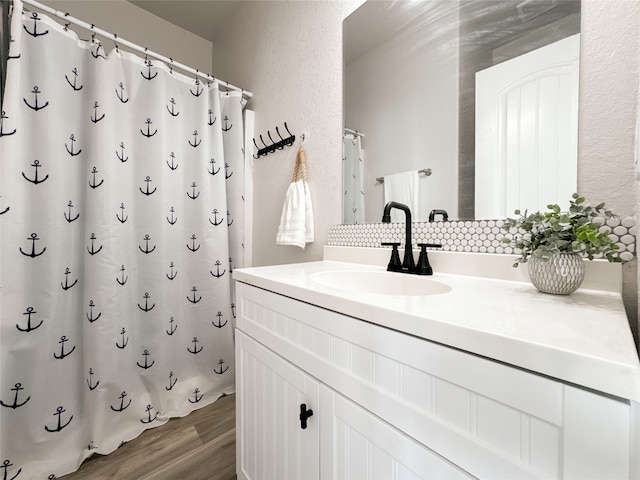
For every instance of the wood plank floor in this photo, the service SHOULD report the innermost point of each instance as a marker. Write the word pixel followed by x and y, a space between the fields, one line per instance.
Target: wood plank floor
pixel 200 446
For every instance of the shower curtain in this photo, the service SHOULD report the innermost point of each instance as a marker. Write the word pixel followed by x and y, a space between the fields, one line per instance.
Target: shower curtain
pixel 121 219
pixel 352 179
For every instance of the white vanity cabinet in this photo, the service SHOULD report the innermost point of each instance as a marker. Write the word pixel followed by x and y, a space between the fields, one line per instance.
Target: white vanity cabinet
pixel 391 405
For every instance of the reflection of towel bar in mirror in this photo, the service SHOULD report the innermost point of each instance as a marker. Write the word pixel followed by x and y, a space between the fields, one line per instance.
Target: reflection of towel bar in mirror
pixel 426 171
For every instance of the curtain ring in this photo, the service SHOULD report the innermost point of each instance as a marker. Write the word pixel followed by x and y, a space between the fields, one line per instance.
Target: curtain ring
pixel 115 37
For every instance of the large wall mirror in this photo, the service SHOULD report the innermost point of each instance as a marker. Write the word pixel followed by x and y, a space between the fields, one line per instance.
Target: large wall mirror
pixel 478 97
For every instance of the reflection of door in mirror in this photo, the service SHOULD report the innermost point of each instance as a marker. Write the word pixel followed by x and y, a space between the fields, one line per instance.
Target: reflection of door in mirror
pixel 527 131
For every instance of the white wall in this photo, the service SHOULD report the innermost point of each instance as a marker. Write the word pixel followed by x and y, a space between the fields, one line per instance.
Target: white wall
pixel 609 71
pixel 404 98
pixel 139 26
pixel 289 54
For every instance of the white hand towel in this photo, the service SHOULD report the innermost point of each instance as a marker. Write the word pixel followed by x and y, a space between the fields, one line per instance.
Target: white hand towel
pixel 296 221
pixel 292 230
pixel 403 188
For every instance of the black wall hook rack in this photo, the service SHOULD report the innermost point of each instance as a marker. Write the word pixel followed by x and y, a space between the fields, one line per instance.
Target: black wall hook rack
pixel 275 145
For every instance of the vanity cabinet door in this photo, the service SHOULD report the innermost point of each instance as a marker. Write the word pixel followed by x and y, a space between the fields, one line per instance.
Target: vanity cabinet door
pixel 271 443
pixel 357 445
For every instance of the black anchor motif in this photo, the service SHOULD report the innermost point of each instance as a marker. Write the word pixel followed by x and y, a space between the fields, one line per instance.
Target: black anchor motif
pixel 171 382
pixel 94 117
pixel 195 140
pixel 229 223
pixel 124 279
pixel 172 327
pixel 193 247
pixel 97 52
pixel 120 155
pixel 149 420
pixel 122 218
pixel 90 384
pixel 219 324
pixel 121 94
pixel 147 192
pixel 75 79
pixel 221 371
pixel 198 91
pixel 148 134
pixel 146 245
pixel 148 76
pixel 5 210
pixel 215 222
pixel 93 251
pixel 5 465
pixel 3 117
pixel 33 254
pixel 17 387
pixel 69 218
pixel 146 307
pixel 71 152
pixel 195 350
pixel 146 365
pixel 62 341
pixel 193 195
pixel 12 57
pixel 173 113
pixel 213 170
pixel 226 171
pixel 122 407
pixel 125 341
pixel 230 265
pixel 217 274
pixel 173 274
pixel 196 399
pixel 211 120
pixel 226 127
pixel 173 219
pixel 35 180
pixel 35 32
pixel 194 300
pixel 29 328
pixel 36 107
pixel 89 315
pixel 172 165
pixel 59 411
pixel 66 285
pixel 233 310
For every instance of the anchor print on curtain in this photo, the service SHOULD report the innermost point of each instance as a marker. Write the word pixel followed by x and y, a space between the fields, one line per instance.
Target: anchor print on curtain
pixel 120 223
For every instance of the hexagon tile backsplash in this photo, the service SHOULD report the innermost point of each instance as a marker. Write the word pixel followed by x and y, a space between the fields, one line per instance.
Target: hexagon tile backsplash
pixel 481 236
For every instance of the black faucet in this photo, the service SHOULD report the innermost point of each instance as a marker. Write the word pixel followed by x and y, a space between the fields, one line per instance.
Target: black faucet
pixel 408 265
pixel 408 262
pixel 432 215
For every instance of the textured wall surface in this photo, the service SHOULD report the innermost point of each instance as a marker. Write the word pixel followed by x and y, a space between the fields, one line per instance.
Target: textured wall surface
pixel 139 26
pixel 289 54
pixel 609 70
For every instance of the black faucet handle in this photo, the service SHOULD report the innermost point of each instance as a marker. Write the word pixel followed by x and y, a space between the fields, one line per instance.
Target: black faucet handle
pixel 394 263
pixel 423 267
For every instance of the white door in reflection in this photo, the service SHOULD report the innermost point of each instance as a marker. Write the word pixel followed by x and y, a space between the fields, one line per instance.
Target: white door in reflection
pixel 527 131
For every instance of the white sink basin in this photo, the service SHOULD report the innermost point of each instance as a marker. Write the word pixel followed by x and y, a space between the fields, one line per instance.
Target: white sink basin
pixel 380 283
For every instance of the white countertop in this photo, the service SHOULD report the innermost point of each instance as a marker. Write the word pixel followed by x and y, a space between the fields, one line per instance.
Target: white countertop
pixel 583 338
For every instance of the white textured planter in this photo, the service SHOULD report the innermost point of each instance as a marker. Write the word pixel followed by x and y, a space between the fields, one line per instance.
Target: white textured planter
pixel 560 275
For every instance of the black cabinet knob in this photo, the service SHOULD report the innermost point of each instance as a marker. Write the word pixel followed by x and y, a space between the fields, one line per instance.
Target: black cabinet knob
pixel 304 415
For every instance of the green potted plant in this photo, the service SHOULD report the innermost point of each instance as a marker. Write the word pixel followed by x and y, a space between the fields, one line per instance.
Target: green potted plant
pixel 554 243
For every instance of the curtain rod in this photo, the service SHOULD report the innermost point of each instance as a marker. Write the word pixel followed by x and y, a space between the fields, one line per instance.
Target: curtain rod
pixel 119 40
pixel 354 132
